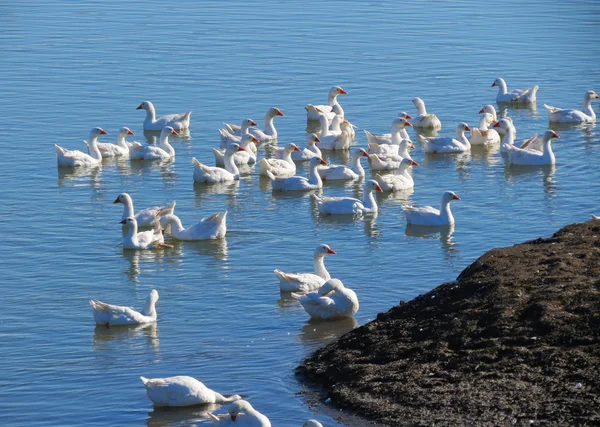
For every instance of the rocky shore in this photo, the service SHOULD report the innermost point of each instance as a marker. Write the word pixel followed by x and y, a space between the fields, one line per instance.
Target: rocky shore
pixel 515 340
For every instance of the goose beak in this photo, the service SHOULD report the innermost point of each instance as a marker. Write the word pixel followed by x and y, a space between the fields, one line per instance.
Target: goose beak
pixel 331 251
pixel 496 125
pixel 455 197
pixel 317 139
pixel 481 111
pixel 379 189
pixel 129 132
pixel 411 145
pixel 123 222
pixel 596 96
pixel 255 139
pixel 468 129
pixel 408 116
pixel 343 92
pixel 323 162
pixel 103 132
pixel 296 148
pixel 409 124
pixel 493 84
pixel 253 123
pixel 365 154
pixel 174 132
pixel 240 148
pixel 117 201
pixel 141 107
pixel 555 135
pixel 233 417
pixel 279 113
pixel 413 163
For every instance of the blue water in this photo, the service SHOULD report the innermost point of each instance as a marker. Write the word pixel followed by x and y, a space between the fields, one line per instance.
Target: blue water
pixel 71 66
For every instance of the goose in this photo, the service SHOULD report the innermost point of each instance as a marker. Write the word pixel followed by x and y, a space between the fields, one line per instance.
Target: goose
pixel 379 164
pixel 306 282
pixel 527 96
pixel 211 175
pixel 213 227
pixel 533 143
pixel 179 121
pixel 144 217
pixel 228 138
pixel 333 108
pixel 490 109
pixel 525 156
pixel 268 133
pixel 299 183
pixel 312 423
pixel 241 414
pixel 331 301
pixel 431 216
pixel 119 149
pixel 595 217
pixel 448 144
pixel 398 134
pixel 400 181
pixel 150 239
pixel 424 120
pixel 116 315
pixel 182 391
pixel 162 151
pixel 280 167
pixel 483 135
pixel 239 157
pixel 392 151
pixel 350 205
pixel 337 142
pixel 559 115
pixel 340 172
pixel 305 154
pixel 66 157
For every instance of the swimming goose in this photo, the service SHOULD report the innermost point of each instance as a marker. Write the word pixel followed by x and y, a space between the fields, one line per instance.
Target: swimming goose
pixel 333 108
pixel 241 414
pixel 337 142
pixel 399 133
pixel 227 137
pixel 245 157
pixel 119 149
pixel 331 301
pixel 150 239
pixel 303 155
pixel 428 215
pixel 280 167
pixel 306 282
pixel 587 114
pixel 424 120
pixel 527 96
pixel 268 133
pixel 399 181
pixel 182 391
pixel 490 109
pixel 66 157
pixel 520 156
pixel 484 135
pixel 163 151
pixel 533 143
pixel 214 174
pixel 179 121
pixel 213 227
pixel 392 151
pixel 447 144
pixel 115 315
pixel 340 172
pixel 144 217
pixel 350 205
pixel 379 164
pixel 299 183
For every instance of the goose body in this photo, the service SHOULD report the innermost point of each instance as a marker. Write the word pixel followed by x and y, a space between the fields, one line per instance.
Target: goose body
pixel 162 151
pixel 484 135
pixel 245 157
pixel 306 282
pixel 520 156
pixel 398 133
pixel 280 167
pixel 299 183
pixel 332 108
pixel 303 155
pixel 119 149
pixel 520 96
pixel 423 119
pixel 587 113
pixel 180 121
pixel 447 144
pixel 428 215
pixel 337 142
pixel 379 164
pixel 213 174
pixel 533 143
pixel 145 217
pixel 394 152
pixel 350 205
pixel 491 110
pixel 267 134
pixel 115 315
pixel 341 172
pixel 182 391
pixel 399 181
pixel 150 239
pixel 331 301
pixel 74 158
pixel 241 414
pixel 213 227
pixel 229 138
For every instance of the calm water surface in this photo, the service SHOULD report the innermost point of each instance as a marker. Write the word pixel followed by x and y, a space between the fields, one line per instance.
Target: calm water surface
pixel 69 67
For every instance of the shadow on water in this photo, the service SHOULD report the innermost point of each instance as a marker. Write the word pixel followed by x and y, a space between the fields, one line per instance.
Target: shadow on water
pixel 322 331
pixel 182 416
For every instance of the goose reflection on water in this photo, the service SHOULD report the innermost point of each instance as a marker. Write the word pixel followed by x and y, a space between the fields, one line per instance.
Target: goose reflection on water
pixel 323 331
pixel 180 416
pixel 104 337
pixel 80 176
pixel 152 258
pixel 429 232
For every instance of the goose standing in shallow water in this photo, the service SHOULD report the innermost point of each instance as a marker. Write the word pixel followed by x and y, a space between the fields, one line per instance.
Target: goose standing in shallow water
pixel 214 174
pixel 520 156
pixel 559 115
pixel 179 121
pixel 66 157
pixel 440 144
pixel 116 315
pixel 163 151
pixel 399 181
pixel 520 96
pixel 119 149
pixel 213 227
pixel 182 391
pixel 423 119
pixel 241 414
pixel 331 301
pixel 306 282
pixel 144 217
pixel 150 239
pixel 299 183
pixel 350 205
pixel 428 215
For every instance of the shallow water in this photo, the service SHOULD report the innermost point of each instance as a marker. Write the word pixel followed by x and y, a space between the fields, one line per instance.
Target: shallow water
pixel 69 67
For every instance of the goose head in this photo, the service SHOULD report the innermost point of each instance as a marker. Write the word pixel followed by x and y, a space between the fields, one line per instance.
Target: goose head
pixel 590 94
pixel 248 138
pixel 485 118
pixel 550 134
pixel 418 103
pixel 249 123
pixel 311 108
pixel 490 109
pixel 291 147
pixel 146 105
pixel 499 82
pixel 503 124
pixel 405 144
pixel 336 90
pixel 400 123
pixel 275 112
pixel 123 198
pixel 234 147
pixel 408 162
pixel 237 407
pixel 330 286
pixel 125 131
pixel 129 222
pixel 462 128
pixel 153 297
pixel 316 161
pixel 404 115
pixel 448 196
pixel 324 250
pixel 372 185
pixel 168 130
pixel 96 132
pixel 345 126
pixel 359 152
pixel 312 139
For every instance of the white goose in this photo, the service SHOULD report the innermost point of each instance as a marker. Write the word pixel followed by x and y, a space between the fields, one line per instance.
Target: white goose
pixel 182 391
pixel 280 167
pixel 423 119
pixel 490 109
pixel 350 205
pixel 213 227
pixel 163 151
pixel 303 155
pixel 429 215
pixel 379 164
pixel 144 217
pixel 179 121
pixel 331 301
pixel 116 315
pixel 399 181
pixel 395 152
pixel 228 138
pixel 119 149
pixel 398 134
pixel 241 414
pixel 483 135
pixel 559 115
pixel 342 172
pixel 268 133
pixel 447 144
pixel 333 108
pixel 533 143
pixel 520 156
pixel 66 157
pixel 337 142
pixel 526 96
pixel 299 183
pixel 245 157
pixel 214 174
pixel 150 239
pixel 306 282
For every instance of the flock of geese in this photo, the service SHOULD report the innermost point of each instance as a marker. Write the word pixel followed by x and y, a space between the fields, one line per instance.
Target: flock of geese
pixel 321 296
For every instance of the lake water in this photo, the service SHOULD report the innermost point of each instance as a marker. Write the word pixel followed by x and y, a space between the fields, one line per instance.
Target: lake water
pixel 72 66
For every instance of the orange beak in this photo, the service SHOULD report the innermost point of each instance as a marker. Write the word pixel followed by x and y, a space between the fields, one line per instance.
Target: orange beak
pixel 174 132
pixel 411 145
pixel 406 123
pixel 413 163
pixel 467 128
pixel 240 148
pixel 123 222
pixel 103 132
pixel 279 113
pixel 317 139
pixel 253 123
pixel 323 162
pixel 456 197
pixel 141 107
pixel 343 92
pixel 296 148
pixel 596 96
pixel 331 251
pixel 481 111
pixel 408 116
pixel 496 125
pixel 379 189
pixel 129 132
pixel 556 135
pixel 117 201
pixel 254 139
pixel 365 154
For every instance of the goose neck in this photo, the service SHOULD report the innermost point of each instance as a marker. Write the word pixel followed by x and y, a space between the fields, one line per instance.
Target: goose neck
pixel 165 145
pixel 445 212
pixel 355 164
pixel 324 125
pixel 131 234
pixel 369 201
pixel 230 164
pixel 93 150
pixel 149 308
pixel 269 124
pixel 313 176
pixel 319 263
pixel 502 89
pixel 587 107
pixel 121 140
